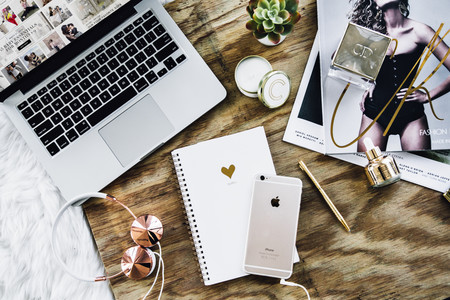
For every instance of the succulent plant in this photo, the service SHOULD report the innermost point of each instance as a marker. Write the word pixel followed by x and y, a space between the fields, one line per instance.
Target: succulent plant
pixel 272 18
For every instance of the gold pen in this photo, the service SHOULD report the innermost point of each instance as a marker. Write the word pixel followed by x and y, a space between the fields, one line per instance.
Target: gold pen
pixel 325 196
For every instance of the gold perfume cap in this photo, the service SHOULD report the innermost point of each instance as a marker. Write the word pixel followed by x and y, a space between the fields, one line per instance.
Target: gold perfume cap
pixel 372 151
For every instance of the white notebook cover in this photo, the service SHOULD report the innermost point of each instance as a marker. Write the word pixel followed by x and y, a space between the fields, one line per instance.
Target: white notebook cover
pixel 218 205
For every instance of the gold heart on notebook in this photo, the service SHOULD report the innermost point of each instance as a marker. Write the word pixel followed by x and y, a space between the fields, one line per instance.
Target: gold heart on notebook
pixel 229 172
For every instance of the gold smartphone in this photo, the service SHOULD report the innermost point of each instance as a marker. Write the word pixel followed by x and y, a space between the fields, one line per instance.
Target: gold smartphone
pixel 273 222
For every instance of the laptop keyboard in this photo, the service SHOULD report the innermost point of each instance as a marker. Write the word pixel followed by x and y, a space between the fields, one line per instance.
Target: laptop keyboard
pixel 101 82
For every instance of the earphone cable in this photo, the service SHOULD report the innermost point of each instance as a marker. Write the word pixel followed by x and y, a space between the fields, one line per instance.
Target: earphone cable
pixel 160 266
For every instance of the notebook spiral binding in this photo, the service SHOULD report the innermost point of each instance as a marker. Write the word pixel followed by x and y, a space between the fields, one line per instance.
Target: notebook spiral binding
pixel 190 217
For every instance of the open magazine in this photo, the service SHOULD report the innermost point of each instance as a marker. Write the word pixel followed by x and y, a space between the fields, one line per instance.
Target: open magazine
pixel 31 31
pixel 305 128
pixel 418 125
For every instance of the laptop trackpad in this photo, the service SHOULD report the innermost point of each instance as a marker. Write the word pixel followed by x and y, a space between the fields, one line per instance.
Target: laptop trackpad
pixel 137 131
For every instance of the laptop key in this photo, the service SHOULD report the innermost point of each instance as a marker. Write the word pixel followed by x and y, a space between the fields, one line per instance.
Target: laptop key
pixel 52 84
pixel 67 124
pixel 62 142
pixel 82 127
pixel 132 76
pixel 151 63
pixel 162 72
pixel 111 52
pixel 52 149
pixel 113 63
pixel 141 84
pixel 129 38
pixel 22 105
pixel 109 42
pixel 150 37
pixel 94 77
pixel 93 65
pixel 162 41
pixel 56 118
pixel 94 91
pixel 122 71
pixel 81 63
pixel 150 23
pixel 46 99
pixel 71 70
pixel 149 50
pixel 48 111
pixel 52 135
pixel 122 57
pixel 100 49
pixel 142 69
pixel 131 64
pixel 141 43
pixel 170 63
pixel 42 91
pixel 166 51
pixel 43 128
pixel 151 77
pixel 85 84
pixel 104 70
pixel 85 98
pixel 66 111
pixel 111 106
pixel 36 120
pixel 83 72
pixel 56 92
pixel 124 82
pixel 120 45
pixel 105 96
pixel 114 90
pixel 27 112
pixel 159 30
pixel 61 77
pixel 75 105
pixel 181 58
pixel 90 56
pixel 65 85
pixel 74 78
pixel 138 21
pixel 66 98
pixel 128 28
pixel 76 91
pixel 86 110
pixel 37 106
pixel 102 58
pixel 96 103
pixel 147 14
pixel 72 135
pixel 119 35
pixel 139 31
pixel 57 104
pixel 77 117
pixel 112 78
pixel 103 84
pixel 131 50
pixel 140 57
pixel 32 98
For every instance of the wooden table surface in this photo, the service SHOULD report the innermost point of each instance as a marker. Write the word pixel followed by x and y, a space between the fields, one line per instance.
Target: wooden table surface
pixel 399 247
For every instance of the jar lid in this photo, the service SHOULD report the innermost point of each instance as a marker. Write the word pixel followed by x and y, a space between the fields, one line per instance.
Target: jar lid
pixel 274 89
pixel 248 74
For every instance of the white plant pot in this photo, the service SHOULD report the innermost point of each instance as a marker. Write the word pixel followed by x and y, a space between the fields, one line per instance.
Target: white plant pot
pixel 265 40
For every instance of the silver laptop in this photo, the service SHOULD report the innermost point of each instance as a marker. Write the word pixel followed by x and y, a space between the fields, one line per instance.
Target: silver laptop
pixel 94 87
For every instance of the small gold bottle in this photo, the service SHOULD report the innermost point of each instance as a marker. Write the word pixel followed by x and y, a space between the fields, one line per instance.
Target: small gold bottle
pixel 382 169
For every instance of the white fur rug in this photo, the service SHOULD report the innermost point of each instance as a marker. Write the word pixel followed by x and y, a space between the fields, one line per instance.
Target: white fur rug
pixel 28 204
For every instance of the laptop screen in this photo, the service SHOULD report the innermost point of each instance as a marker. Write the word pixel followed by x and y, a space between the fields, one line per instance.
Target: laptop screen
pixel 32 31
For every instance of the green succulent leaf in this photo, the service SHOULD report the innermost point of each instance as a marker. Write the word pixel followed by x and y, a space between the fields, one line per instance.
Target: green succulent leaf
pixel 260 29
pixel 264 4
pixel 275 4
pixel 287 29
pixel 282 4
pixel 274 37
pixel 251 25
pixel 285 15
pixel 250 11
pixel 278 29
pixel 259 13
pixel 257 20
pixel 291 5
pixel 277 20
pixel 268 25
pixel 265 14
pixel 259 35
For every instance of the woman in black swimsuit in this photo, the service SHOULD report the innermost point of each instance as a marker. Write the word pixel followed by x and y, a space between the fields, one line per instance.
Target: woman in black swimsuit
pixel 391 17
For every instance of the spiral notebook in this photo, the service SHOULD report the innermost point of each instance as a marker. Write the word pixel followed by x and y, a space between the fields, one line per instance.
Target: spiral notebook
pixel 215 179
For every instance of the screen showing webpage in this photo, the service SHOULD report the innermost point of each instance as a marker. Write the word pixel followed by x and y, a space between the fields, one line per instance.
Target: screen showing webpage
pixel 31 31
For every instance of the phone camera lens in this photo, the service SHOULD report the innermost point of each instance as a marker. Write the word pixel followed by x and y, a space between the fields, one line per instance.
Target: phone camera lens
pixel 262 177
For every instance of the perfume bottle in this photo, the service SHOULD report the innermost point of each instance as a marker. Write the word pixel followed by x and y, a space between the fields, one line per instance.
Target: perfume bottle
pixel 382 169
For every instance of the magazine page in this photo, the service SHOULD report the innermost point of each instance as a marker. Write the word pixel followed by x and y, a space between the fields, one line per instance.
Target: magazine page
pixel 430 169
pixel 418 125
pixel 31 31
